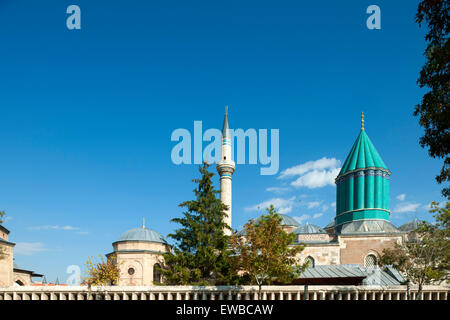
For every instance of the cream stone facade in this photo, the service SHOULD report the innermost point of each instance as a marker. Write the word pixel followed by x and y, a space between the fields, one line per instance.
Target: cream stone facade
pixel 138 253
pixel 6 258
pixel 10 273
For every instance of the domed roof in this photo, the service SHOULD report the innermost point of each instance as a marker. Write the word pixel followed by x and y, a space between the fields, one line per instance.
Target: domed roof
pixel 142 234
pixel 309 229
pixel 366 226
pixel 285 220
pixel 288 221
pixel 330 225
pixel 362 155
pixel 409 226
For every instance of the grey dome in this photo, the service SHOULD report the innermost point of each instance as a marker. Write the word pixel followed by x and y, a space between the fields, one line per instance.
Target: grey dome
pixel 286 221
pixel 409 226
pixel 366 226
pixel 309 229
pixel 330 225
pixel 142 234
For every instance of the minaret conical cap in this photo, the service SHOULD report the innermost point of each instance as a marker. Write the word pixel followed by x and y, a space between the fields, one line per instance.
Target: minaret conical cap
pixel 225 127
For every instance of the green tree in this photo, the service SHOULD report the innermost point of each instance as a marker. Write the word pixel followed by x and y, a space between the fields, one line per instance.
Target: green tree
pixel 264 252
pixel 424 260
pixel 201 254
pixel 434 109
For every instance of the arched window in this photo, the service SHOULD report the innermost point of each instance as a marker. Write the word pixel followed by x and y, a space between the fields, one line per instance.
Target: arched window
pixel 370 261
pixel 311 262
pixel 156 273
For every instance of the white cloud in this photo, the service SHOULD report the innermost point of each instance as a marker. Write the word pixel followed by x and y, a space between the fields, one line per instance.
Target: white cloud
pixel 318 165
pixel 282 205
pixel 317 179
pixel 317 215
pixel 325 207
pixel 313 204
pixel 302 218
pixel 401 197
pixel 406 207
pixel 333 204
pixel 277 190
pixel 55 227
pixel 29 248
pixel 313 174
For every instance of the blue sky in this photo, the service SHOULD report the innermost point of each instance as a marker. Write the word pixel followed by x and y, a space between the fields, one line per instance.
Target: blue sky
pixel 87 114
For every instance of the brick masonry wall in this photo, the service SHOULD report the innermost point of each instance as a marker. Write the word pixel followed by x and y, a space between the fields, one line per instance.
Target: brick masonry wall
pixel 355 249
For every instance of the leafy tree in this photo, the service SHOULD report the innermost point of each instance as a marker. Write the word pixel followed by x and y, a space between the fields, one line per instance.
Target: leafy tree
pixel 425 259
pixel 200 255
pixel 263 251
pixel 434 109
pixel 103 272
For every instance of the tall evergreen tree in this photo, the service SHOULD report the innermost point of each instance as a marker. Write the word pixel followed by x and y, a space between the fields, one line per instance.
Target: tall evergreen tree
pixel 200 255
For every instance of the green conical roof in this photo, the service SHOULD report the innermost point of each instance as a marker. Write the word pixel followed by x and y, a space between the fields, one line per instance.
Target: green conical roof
pixel 362 155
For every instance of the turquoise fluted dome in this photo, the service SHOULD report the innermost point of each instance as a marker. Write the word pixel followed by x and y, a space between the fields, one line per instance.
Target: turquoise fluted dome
pixel 362 155
pixel 362 191
pixel 142 234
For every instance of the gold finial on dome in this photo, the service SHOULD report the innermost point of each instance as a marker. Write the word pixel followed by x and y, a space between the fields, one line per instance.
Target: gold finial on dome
pixel 362 120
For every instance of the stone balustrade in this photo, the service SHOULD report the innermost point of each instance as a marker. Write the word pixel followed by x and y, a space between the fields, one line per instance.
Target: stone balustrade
pixel 220 293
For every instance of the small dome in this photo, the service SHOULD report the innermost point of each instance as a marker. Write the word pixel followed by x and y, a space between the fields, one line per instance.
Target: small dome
pixel 330 225
pixel 309 229
pixel 142 234
pixel 409 226
pixel 286 220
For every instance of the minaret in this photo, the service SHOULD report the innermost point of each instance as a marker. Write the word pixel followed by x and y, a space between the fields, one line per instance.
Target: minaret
pixel 225 168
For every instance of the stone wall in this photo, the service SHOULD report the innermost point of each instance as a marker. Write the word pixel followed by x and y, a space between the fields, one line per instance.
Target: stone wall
pixel 6 264
pixel 322 254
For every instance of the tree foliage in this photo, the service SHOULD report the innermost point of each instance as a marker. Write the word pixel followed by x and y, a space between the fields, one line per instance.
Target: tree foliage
pixel 434 109
pixel 264 252
pixel 424 260
pixel 103 272
pixel 200 255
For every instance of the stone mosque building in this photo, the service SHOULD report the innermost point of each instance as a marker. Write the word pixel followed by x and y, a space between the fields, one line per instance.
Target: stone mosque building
pixel 357 235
